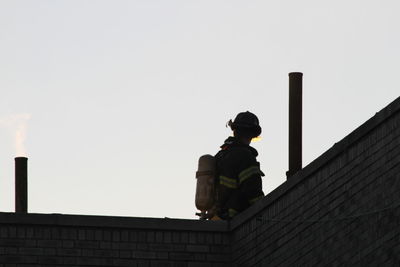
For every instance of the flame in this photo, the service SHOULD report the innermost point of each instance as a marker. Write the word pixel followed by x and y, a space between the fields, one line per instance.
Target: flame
pixel 20 136
pixel 17 123
pixel 256 139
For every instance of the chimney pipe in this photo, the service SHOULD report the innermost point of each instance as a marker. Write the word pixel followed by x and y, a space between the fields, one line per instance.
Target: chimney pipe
pixel 295 122
pixel 21 184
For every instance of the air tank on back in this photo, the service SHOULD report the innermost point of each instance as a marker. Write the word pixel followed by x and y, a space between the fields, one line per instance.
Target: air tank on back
pixel 205 188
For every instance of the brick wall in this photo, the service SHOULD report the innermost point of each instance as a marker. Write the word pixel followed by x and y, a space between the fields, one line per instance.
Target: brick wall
pixel 341 210
pixel 66 240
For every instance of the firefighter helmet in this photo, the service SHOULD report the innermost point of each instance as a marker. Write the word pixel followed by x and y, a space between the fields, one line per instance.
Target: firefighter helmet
pixel 246 121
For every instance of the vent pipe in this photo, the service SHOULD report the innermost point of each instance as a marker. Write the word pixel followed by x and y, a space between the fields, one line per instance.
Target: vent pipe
pixel 21 185
pixel 295 122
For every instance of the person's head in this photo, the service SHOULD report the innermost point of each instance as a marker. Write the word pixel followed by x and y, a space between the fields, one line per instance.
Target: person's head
pixel 245 126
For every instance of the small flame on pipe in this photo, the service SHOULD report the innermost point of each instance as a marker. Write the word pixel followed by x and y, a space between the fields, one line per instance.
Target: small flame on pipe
pixel 20 136
pixel 17 125
pixel 256 139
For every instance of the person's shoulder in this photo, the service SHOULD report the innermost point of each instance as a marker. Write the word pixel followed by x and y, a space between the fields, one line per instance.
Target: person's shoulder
pixel 242 152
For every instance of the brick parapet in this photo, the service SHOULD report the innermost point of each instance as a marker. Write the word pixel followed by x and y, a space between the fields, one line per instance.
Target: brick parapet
pixel 333 210
pixel 76 240
pixel 113 222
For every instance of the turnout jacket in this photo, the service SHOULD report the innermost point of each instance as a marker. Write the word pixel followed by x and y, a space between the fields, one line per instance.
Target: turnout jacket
pixel 239 182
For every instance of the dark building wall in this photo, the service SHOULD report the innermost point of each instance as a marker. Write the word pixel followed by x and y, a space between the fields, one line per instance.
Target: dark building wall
pixel 65 240
pixel 341 210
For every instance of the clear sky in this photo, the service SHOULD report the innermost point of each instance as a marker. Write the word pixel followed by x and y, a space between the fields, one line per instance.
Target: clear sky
pixel 114 101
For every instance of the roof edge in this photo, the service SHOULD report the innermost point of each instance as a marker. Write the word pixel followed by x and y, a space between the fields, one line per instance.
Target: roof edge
pixel 113 222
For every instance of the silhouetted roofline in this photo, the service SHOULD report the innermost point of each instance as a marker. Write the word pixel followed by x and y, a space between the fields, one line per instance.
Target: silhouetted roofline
pixel 113 222
pixel 338 148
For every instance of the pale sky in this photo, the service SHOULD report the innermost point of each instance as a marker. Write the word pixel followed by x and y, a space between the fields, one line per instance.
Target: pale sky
pixel 113 102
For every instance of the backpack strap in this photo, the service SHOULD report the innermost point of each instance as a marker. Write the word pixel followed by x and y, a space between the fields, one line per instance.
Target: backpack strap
pixel 202 173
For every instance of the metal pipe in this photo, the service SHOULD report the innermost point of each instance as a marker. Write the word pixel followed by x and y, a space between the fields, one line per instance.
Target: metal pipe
pixel 295 122
pixel 21 184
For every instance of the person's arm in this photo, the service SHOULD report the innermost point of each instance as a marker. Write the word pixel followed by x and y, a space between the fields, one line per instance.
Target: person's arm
pixel 249 179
